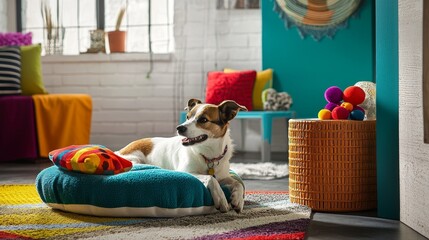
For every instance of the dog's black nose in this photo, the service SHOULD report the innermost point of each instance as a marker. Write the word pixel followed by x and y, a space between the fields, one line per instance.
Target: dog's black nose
pixel 181 129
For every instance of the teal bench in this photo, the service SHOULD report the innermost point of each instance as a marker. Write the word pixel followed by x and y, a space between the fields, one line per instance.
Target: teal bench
pixel 266 127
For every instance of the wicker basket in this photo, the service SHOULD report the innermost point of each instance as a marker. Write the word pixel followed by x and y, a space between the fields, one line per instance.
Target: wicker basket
pixel 332 164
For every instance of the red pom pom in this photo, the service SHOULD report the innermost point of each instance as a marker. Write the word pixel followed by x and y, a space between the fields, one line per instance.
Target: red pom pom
pixel 354 95
pixel 340 113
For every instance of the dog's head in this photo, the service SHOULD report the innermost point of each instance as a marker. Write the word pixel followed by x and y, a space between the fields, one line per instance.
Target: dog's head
pixel 205 121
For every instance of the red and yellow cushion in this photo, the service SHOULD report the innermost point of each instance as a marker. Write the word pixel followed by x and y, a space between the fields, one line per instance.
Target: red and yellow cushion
pixel 89 159
pixel 263 81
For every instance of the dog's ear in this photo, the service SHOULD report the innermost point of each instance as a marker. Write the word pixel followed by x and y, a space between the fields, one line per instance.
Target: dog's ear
pixel 228 109
pixel 192 103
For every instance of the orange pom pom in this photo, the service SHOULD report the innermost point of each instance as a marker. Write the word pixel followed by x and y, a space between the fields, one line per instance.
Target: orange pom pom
pixel 347 106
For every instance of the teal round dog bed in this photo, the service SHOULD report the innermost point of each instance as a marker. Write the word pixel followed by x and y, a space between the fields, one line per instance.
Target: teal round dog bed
pixel 144 191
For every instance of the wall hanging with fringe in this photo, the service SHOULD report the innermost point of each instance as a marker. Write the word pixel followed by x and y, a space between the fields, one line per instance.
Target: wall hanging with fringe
pixel 317 18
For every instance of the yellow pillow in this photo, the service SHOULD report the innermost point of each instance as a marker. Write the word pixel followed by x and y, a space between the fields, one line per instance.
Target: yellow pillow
pixel 264 80
pixel 31 70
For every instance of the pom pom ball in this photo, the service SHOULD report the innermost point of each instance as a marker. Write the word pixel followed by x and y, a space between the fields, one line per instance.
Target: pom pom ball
pixel 330 106
pixel 357 115
pixel 340 113
pixel 354 95
pixel 358 108
pixel 347 106
pixel 324 114
pixel 334 94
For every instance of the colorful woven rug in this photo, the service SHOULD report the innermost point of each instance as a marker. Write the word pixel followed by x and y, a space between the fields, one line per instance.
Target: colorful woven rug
pixel 266 215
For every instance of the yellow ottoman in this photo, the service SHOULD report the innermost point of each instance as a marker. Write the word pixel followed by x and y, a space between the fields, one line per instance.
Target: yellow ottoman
pixel 332 164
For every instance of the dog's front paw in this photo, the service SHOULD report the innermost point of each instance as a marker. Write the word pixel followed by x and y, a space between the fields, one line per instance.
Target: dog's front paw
pixel 237 198
pixel 221 203
pixel 218 196
pixel 219 199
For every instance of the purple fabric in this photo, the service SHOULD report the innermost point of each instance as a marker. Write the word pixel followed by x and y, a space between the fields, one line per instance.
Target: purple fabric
pixel 15 39
pixel 17 128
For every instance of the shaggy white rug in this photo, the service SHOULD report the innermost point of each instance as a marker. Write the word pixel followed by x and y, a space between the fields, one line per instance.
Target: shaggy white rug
pixel 260 171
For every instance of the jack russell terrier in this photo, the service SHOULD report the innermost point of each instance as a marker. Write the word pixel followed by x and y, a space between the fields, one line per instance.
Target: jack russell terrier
pixel 203 148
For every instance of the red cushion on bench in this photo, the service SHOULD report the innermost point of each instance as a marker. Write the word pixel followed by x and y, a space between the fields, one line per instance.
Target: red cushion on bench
pixel 237 86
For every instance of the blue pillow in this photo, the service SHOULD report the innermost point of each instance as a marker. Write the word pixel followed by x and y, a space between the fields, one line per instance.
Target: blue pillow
pixel 144 191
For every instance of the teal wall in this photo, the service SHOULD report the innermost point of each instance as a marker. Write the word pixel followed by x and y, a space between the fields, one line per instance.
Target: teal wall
pixel 387 108
pixel 305 68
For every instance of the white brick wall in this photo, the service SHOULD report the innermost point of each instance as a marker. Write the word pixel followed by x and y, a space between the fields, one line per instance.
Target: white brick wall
pixel 128 106
pixel 413 152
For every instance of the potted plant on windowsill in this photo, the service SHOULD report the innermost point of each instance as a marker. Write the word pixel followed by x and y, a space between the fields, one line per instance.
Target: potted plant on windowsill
pixel 53 30
pixel 117 38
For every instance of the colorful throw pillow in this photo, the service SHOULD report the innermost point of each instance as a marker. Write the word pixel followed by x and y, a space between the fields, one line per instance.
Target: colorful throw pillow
pixel 264 80
pixel 15 39
pixel 237 86
pixel 89 159
pixel 31 73
pixel 10 71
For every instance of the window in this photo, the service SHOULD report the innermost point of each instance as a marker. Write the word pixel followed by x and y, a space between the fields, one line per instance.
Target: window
pixel 237 4
pixel 79 17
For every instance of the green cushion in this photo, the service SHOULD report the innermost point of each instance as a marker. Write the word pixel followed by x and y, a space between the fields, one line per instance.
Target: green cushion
pixel 31 70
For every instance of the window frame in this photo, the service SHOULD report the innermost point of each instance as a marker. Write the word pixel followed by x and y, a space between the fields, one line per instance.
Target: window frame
pixel 100 23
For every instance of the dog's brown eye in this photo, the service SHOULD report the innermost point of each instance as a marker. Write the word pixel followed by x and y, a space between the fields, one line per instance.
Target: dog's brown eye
pixel 202 120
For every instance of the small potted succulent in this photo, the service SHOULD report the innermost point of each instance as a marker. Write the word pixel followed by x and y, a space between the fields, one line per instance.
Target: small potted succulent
pixel 117 38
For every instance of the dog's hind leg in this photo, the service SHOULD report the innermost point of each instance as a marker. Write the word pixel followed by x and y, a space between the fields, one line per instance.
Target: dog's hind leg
pixel 134 157
pixel 137 151
pixel 218 196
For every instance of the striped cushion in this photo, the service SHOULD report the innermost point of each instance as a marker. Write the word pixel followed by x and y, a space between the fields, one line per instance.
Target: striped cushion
pixel 10 71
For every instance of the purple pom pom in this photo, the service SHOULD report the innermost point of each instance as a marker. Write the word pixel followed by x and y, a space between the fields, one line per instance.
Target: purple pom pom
pixel 334 94
pixel 356 107
pixel 330 106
